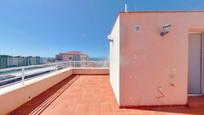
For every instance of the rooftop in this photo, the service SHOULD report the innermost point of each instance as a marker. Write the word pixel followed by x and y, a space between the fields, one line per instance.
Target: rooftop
pixel 93 95
pixel 162 11
pixel 73 53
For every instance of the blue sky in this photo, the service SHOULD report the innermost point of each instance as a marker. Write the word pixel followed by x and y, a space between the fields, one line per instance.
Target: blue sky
pixel 47 27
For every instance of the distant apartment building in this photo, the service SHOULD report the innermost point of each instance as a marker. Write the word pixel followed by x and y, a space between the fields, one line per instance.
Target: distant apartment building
pixel 15 61
pixel 33 60
pixel 43 60
pixel 72 56
pixel 20 61
pixel 12 62
pixel 30 60
pixel 3 61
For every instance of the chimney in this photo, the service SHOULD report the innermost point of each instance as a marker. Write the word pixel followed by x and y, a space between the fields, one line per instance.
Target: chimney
pixel 126 8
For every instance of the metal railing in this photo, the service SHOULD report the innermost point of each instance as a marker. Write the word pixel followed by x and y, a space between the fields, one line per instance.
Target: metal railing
pixel 15 75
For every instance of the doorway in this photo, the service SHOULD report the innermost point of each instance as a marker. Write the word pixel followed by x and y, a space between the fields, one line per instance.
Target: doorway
pixel 195 64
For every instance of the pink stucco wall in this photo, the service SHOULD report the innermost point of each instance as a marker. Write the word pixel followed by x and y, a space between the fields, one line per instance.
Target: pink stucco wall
pixel 154 69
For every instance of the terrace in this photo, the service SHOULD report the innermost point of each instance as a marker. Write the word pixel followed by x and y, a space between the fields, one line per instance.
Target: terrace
pixel 72 90
pixel 25 83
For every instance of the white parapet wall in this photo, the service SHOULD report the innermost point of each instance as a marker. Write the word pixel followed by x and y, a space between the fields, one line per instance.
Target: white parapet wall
pixel 13 96
pixel 115 59
pixel 91 71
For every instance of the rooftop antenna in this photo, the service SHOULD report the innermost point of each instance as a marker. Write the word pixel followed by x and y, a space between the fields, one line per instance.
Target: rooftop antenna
pixel 126 7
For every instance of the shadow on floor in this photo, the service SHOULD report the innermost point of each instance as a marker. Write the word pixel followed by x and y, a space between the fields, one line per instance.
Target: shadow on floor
pixel 36 105
pixel 195 107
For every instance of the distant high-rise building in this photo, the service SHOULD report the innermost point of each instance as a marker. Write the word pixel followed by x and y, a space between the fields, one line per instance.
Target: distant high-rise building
pixel 20 61
pixel 37 60
pixel 15 61
pixel 43 60
pixel 29 60
pixel 11 62
pixel 72 56
pixel 33 60
pixel 4 61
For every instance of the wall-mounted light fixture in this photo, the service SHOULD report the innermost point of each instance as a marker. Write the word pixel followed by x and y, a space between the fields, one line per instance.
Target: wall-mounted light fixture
pixel 110 38
pixel 165 29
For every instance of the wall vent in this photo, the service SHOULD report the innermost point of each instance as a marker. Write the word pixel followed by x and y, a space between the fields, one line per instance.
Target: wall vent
pixel 137 28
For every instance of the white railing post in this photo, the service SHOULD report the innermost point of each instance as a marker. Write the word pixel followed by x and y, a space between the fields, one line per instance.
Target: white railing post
pixel 67 64
pixel 23 75
pixel 106 63
pixel 56 67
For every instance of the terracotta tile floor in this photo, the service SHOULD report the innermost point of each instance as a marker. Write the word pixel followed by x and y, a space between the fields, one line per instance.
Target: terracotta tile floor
pixel 92 95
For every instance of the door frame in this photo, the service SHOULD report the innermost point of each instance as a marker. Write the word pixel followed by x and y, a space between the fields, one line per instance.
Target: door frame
pixel 202 64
